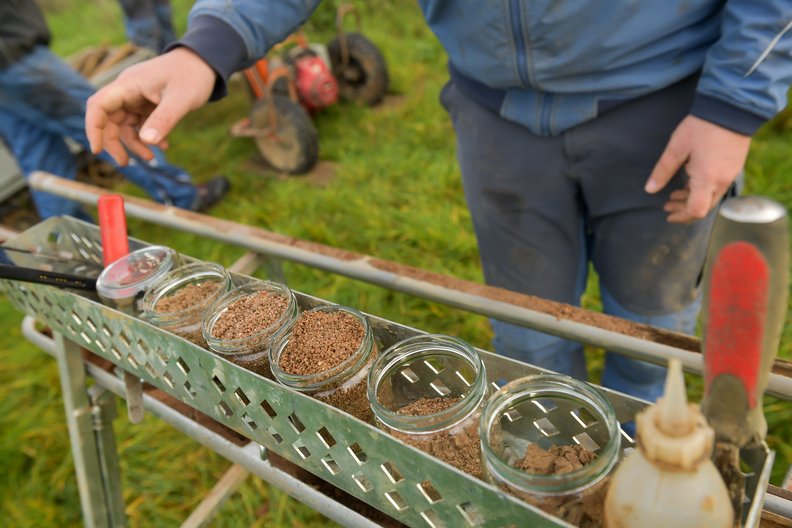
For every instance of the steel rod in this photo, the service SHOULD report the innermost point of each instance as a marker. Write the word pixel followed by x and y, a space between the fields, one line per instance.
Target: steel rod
pixel 376 271
pixel 778 505
pixel 7 233
pixel 217 496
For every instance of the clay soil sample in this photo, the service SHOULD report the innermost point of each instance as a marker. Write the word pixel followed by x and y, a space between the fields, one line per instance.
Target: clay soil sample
pixel 244 318
pixel 185 299
pixel 584 509
pixel 320 341
pixel 555 461
pixel 457 445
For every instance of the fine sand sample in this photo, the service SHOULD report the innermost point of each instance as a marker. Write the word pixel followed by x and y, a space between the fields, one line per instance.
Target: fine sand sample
pixel 457 445
pixel 186 298
pixel 248 315
pixel 320 341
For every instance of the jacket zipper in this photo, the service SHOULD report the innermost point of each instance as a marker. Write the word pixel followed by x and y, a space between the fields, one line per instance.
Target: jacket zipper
pixel 516 22
pixel 546 105
pixel 522 68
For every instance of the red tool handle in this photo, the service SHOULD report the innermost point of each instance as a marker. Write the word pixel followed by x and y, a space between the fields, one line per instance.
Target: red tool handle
pixel 113 228
pixel 736 316
pixel 745 300
pixel 115 244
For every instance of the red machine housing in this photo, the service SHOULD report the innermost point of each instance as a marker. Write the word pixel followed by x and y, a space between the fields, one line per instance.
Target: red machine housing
pixel 316 86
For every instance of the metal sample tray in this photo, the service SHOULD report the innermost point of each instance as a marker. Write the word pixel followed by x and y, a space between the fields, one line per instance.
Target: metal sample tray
pixel 403 482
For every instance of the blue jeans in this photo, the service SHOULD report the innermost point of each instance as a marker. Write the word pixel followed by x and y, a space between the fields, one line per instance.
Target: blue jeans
pixel 148 23
pixel 543 208
pixel 42 101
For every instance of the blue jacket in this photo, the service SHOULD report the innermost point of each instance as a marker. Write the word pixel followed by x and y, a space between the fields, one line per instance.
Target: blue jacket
pixel 553 64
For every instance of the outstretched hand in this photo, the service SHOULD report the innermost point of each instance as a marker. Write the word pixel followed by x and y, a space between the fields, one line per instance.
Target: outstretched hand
pixel 145 102
pixel 713 157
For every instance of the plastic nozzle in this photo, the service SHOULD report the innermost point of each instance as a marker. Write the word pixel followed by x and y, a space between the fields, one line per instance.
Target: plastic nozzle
pixel 673 432
pixel 674 418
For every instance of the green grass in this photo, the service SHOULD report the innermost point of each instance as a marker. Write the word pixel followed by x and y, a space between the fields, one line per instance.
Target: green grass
pixel 397 195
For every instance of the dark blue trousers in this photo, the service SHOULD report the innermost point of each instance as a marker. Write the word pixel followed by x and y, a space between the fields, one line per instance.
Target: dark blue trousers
pixel 42 101
pixel 545 208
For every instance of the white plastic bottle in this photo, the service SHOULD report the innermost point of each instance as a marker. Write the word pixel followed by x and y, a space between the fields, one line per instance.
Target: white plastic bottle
pixel 669 480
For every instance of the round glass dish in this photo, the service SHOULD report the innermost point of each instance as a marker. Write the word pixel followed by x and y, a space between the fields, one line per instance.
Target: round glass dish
pixel 552 441
pixel 245 340
pixel 122 284
pixel 343 385
pixel 428 391
pixel 178 301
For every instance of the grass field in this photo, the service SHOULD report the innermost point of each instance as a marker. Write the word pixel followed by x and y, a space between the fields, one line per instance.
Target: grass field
pixel 396 194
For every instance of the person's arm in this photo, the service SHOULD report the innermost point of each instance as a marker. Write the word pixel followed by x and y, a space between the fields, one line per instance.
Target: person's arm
pixel 744 83
pixel 147 100
pixel 232 38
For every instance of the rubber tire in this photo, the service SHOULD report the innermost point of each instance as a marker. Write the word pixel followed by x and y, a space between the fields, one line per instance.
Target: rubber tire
pixel 300 150
pixel 18 211
pixel 367 61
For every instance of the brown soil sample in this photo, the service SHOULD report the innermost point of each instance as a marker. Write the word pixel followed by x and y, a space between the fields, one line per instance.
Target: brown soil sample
pixel 555 461
pixel 257 362
pixel 250 314
pixel 351 397
pixel 187 297
pixel 426 406
pixel 585 508
pixel 320 341
pixel 457 445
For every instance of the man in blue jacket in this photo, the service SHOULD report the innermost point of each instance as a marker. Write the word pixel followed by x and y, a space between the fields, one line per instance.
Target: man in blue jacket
pixel 602 131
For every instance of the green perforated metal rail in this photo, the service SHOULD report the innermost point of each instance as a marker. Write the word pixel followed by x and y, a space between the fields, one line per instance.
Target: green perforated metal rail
pixel 403 482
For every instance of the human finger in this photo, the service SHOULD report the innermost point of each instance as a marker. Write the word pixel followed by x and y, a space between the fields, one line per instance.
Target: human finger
pixel 679 194
pixel 673 207
pixel 113 145
pixel 673 157
pixel 109 100
pixel 129 137
pixel 697 206
pixel 170 110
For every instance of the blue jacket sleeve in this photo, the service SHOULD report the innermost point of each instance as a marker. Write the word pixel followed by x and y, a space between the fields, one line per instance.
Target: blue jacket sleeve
pixel 748 71
pixel 232 34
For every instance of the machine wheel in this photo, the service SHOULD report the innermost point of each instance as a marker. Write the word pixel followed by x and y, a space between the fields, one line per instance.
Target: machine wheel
pixel 295 149
pixel 365 77
pixel 18 212
pixel 97 172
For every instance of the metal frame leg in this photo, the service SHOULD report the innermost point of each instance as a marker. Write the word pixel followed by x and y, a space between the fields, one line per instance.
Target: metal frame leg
pixel 104 404
pixel 84 445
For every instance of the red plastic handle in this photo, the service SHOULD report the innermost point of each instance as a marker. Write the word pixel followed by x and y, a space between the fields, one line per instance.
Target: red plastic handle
pixel 737 316
pixel 113 228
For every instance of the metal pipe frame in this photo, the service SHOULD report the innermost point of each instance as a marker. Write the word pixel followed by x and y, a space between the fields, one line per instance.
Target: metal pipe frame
pixel 248 456
pixel 359 267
